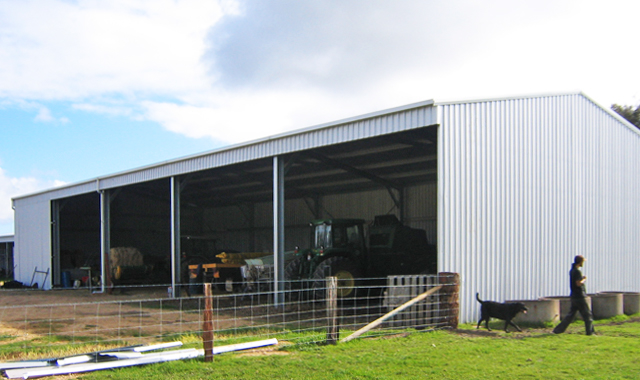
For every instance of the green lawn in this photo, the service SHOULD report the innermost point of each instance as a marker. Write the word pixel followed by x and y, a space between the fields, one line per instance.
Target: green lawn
pixel 465 354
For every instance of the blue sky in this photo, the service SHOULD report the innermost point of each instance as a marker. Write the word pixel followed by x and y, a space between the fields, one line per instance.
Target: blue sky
pixel 89 87
pixel 82 145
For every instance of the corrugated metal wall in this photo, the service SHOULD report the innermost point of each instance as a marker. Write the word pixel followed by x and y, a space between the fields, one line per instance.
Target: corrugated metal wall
pixel 526 184
pixel 33 240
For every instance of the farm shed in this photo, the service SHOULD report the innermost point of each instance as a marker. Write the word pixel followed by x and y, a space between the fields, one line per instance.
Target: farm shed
pixel 6 255
pixel 510 189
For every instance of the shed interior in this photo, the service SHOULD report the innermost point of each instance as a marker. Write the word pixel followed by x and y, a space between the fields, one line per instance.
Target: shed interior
pixel 6 259
pixel 229 208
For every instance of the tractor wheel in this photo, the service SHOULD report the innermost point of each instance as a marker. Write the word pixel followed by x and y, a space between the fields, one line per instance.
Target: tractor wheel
pixel 293 281
pixel 347 272
pixel 292 269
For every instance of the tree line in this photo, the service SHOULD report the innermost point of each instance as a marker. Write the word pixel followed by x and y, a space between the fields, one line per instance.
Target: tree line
pixel 631 113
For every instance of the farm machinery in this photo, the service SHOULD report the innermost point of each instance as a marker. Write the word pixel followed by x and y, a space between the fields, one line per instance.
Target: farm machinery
pixel 339 248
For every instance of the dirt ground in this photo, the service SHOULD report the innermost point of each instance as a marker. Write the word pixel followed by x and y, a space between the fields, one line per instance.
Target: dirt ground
pixel 71 296
pixel 135 316
pixel 145 314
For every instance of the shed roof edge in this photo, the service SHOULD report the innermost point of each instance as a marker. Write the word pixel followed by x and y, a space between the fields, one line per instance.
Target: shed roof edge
pixel 503 98
pixel 389 111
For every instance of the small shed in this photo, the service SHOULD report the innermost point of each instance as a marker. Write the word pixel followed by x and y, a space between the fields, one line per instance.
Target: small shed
pixel 6 256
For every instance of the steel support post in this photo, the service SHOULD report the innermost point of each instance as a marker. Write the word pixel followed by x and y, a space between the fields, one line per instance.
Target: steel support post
pixel 175 236
pixel 55 243
pixel 278 230
pixel 105 235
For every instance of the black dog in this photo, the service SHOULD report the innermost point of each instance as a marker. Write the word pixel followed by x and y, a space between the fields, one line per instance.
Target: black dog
pixel 505 311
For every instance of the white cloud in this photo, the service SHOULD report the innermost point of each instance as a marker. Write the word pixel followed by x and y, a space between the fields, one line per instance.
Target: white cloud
pixel 288 64
pixel 485 48
pixel 259 116
pixel 69 50
pixel 11 187
pixel 238 70
pixel 44 115
pixel 234 117
pixel 105 109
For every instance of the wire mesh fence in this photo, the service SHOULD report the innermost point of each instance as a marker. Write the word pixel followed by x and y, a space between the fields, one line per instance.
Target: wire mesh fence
pixel 299 314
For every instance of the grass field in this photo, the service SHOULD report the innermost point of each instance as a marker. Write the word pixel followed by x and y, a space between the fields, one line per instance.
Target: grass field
pixel 467 353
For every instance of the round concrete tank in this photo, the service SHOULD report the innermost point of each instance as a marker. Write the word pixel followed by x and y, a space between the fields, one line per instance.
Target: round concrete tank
pixel 606 305
pixel 630 302
pixel 565 305
pixel 540 310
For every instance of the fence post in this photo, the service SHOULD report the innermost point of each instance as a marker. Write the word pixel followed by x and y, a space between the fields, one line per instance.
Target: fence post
pixel 207 325
pixel 333 330
pixel 450 303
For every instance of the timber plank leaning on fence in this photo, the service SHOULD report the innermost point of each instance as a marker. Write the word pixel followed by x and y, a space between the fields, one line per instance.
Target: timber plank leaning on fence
pixel 391 314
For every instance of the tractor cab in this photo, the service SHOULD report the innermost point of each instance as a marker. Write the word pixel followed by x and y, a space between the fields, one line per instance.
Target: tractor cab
pixel 337 236
pixel 332 241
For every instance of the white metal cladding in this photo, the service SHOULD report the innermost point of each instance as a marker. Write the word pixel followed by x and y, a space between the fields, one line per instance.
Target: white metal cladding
pixel 33 241
pixel 526 184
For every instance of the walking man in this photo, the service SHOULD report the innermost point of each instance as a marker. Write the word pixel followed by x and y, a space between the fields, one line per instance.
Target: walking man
pixel 578 299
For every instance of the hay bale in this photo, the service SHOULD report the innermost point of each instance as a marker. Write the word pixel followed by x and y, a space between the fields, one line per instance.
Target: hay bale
pixel 125 257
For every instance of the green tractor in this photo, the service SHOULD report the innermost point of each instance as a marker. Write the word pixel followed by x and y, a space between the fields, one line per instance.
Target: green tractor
pixel 339 249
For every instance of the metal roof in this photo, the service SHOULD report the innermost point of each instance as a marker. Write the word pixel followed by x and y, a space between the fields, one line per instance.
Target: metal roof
pixel 375 156
pixel 390 148
pixel 629 125
pixel 391 161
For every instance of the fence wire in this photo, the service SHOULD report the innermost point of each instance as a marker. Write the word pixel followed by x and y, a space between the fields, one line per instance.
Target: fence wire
pixel 143 314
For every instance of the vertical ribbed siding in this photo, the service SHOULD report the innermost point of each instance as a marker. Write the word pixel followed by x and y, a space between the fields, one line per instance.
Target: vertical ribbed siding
pixel 526 184
pixel 33 241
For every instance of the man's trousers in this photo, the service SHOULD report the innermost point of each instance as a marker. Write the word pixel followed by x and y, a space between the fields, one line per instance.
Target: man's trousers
pixel 578 304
